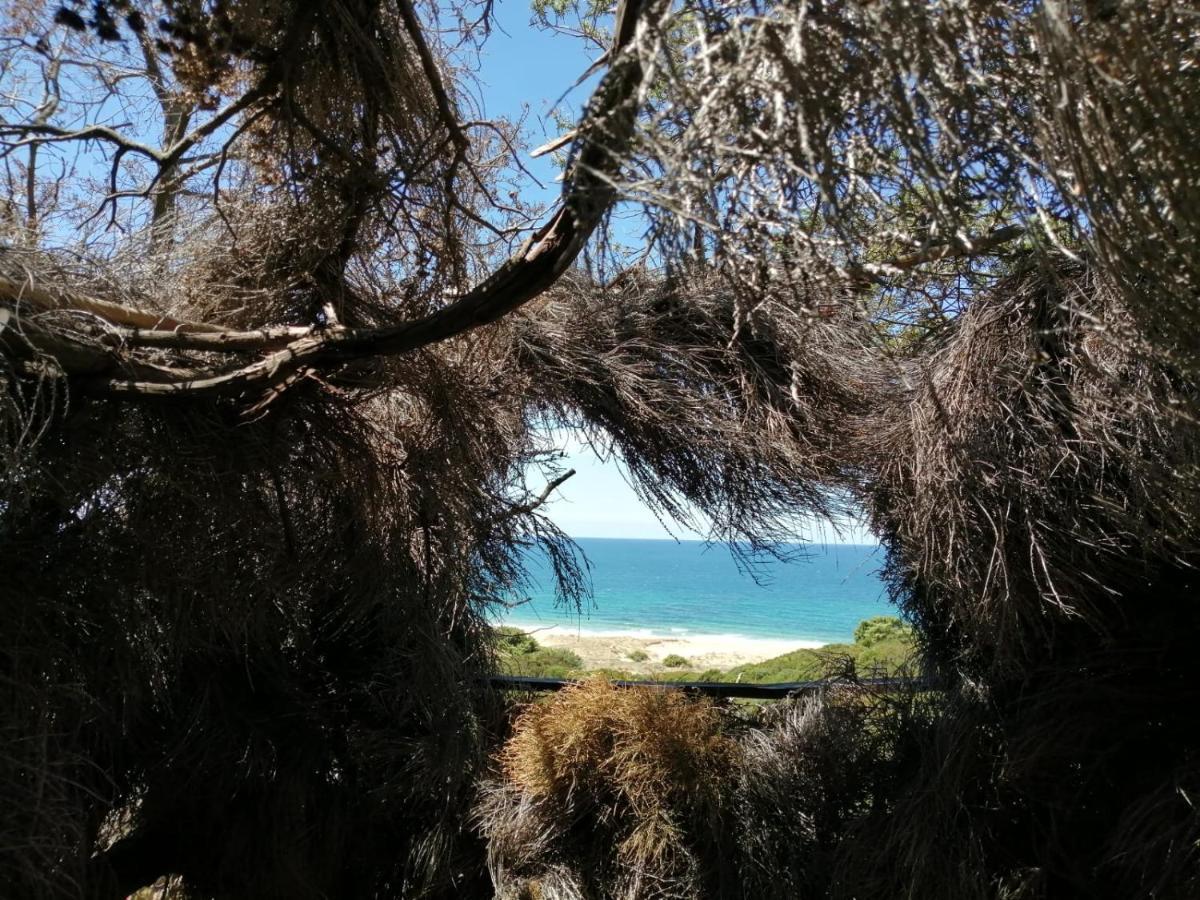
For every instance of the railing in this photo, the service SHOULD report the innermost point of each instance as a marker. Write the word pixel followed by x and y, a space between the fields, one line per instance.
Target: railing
pixel 720 688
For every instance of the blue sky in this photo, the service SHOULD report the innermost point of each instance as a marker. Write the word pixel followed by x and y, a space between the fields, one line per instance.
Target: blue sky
pixel 524 68
pixel 598 502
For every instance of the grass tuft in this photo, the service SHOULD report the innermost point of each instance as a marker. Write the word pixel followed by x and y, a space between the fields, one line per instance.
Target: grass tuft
pixel 631 783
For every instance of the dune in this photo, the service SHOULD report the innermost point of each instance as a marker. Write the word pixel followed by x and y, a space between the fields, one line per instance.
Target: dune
pixel 611 650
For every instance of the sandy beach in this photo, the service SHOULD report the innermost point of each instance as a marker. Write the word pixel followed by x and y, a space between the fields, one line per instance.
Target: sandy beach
pixel 703 651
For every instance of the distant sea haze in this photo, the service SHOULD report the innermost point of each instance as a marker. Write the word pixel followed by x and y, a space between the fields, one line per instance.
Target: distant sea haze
pixel 654 587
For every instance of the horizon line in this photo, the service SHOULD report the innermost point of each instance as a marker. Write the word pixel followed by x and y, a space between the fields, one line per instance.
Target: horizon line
pixel 698 540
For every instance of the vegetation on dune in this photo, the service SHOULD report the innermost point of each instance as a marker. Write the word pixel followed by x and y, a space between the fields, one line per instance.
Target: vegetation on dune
pixel 624 789
pixel 882 646
pixel 670 796
pixel 519 653
pixel 884 659
pixel 879 629
pixel 889 650
pixel 512 641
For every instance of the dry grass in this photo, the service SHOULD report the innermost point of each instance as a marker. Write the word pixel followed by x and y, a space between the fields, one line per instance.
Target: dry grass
pixel 606 792
pixel 628 788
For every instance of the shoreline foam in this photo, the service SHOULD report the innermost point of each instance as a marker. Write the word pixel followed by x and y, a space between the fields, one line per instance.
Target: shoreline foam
pixel 536 629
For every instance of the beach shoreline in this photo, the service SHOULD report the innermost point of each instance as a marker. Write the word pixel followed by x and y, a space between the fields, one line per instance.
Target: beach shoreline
pixel 612 649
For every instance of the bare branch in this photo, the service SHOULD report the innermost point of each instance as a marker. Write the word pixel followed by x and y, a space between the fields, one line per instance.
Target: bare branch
pixel 33 133
pixel 14 291
pixel 434 77
pixel 966 246
pixel 522 509
pixel 543 258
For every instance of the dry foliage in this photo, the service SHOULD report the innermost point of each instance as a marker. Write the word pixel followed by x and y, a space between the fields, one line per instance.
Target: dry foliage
pixel 812 769
pixel 611 792
pixel 607 792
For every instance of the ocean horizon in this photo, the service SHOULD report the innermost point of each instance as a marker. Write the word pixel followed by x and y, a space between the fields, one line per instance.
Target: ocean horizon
pixel 647 587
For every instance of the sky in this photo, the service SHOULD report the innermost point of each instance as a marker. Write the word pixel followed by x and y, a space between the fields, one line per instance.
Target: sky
pixel 524 69
pixel 597 501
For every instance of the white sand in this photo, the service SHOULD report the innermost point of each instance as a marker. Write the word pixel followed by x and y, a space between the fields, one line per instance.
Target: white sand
pixel 601 650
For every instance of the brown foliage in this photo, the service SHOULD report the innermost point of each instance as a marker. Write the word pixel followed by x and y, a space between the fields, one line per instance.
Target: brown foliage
pixel 627 786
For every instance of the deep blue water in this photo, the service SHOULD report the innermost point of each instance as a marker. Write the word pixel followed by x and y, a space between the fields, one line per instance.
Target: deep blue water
pixel 664 587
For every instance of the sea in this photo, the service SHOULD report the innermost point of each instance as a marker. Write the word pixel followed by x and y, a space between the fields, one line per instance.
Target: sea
pixel 665 588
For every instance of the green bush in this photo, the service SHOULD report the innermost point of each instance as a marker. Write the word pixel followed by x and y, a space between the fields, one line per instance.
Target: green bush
pixel 545 662
pixel 799 665
pixel 673 675
pixel 881 656
pixel 885 658
pixel 638 655
pixel 881 628
pixel 514 640
pixel 615 675
pixel 675 661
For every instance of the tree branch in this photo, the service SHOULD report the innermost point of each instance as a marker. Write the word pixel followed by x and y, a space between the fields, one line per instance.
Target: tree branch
pixel 33 133
pixel 587 194
pixel 971 245
pixel 522 509
pixel 445 108
pixel 26 291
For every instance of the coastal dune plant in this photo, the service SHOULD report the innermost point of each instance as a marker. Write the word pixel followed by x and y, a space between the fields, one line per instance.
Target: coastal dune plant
pixel 877 629
pixel 810 771
pixel 611 792
pixel 636 792
pixel 940 769
pixel 514 641
pixel 519 653
pixel 544 662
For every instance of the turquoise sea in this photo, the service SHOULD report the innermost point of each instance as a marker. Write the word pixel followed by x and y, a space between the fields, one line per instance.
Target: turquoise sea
pixel 662 587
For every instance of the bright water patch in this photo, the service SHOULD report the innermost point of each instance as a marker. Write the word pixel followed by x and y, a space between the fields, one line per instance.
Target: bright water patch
pixel 669 588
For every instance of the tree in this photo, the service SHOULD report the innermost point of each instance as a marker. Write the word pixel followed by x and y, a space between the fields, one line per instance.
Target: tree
pixel 275 343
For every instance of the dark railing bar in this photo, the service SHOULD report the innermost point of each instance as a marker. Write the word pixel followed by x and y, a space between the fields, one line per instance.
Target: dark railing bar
pixel 718 688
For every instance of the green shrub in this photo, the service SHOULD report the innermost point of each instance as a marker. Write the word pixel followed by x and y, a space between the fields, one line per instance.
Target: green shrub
pixel 514 640
pixel 638 655
pixel 615 674
pixel 881 628
pixel 675 661
pixel 544 662
pixel 882 657
pixel 673 675
pixel 799 665
pixel 885 657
